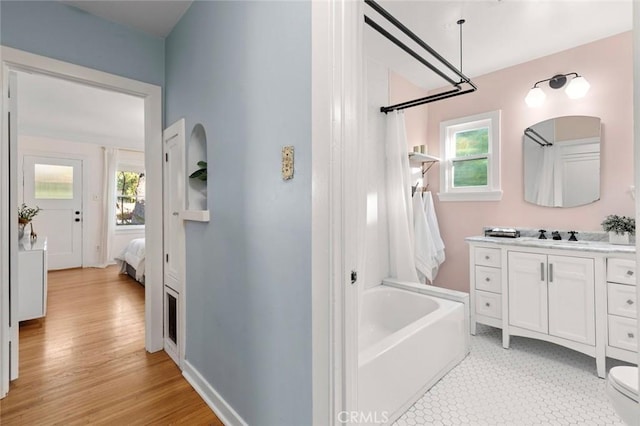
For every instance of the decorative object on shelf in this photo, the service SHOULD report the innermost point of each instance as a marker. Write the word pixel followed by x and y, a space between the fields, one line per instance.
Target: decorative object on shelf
pixel 577 88
pixel 619 228
pixel 25 216
pixel 201 173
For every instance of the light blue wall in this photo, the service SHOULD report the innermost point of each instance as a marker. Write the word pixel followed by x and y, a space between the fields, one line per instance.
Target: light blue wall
pixel 243 70
pixel 53 29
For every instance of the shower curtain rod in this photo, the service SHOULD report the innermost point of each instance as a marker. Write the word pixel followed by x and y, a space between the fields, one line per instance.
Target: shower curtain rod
pixel 529 130
pixel 456 91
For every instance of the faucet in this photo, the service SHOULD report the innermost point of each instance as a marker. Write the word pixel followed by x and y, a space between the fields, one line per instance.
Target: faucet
pixel 573 236
pixel 556 235
pixel 542 236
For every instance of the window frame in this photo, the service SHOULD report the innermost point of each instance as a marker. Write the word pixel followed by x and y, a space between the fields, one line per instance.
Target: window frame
pixel 135 168
pixel 492 191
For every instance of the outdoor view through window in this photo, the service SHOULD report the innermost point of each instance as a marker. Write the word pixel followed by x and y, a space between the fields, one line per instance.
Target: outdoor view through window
pixel 129 198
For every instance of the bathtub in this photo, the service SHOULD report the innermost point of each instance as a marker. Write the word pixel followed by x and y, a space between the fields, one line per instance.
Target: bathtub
pixel 407 341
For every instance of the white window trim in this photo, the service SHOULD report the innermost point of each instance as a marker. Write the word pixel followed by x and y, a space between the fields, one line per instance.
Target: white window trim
pixel 493 190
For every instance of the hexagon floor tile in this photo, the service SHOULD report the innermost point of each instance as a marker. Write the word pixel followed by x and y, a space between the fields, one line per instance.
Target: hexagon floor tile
pixel 532 383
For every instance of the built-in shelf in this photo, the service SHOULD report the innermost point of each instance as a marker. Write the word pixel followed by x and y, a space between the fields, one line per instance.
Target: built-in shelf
pixel 196 151
pixel 424 161
pixel 195 215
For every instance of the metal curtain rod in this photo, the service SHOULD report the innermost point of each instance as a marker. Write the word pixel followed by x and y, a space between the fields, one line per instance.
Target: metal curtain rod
pixel 456 91
pixel 537 135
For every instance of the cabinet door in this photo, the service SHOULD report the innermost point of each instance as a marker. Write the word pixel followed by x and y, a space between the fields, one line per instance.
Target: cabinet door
pixel 528 291
pixel 571 299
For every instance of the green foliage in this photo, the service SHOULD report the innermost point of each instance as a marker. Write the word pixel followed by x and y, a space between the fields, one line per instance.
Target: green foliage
pixel 201 173
pixel 619 225
pixel 27 213
pixel 127 184
pixel 472 142
pixel 470 173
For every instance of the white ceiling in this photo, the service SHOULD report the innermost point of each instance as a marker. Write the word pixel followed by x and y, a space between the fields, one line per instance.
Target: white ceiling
pixel 150 16
pixel 61 109
pixel 497 34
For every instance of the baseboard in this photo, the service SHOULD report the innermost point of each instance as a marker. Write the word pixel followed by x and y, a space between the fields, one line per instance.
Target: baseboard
pixel 220 407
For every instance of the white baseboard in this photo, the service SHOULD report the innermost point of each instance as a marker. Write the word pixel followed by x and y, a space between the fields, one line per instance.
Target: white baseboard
pixel 223 410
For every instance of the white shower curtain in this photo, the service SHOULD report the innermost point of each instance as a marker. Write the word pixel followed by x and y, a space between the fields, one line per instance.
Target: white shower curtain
pixel 546 193
pixel 398 193
pixel 108 203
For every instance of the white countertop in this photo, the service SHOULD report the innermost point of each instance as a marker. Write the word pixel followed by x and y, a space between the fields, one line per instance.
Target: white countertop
pixel 27 244
pixel 588 246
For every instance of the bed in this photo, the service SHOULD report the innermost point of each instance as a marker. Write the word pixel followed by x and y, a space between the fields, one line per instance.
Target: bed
pixel 131 260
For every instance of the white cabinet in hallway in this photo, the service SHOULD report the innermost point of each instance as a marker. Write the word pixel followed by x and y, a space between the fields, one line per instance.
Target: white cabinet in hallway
pixel 32 278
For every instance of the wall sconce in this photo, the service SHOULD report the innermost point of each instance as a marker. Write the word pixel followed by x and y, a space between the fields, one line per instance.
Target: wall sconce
pixel 577 88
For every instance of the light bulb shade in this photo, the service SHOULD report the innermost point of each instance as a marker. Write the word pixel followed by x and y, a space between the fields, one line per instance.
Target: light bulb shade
pixel 535 97
pixel 577 88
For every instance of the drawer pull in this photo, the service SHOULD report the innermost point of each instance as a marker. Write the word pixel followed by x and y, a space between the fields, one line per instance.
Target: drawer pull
pixel 630 335
pixel 629 302
pixel 487 279
pixel 487 304
pixel 630 272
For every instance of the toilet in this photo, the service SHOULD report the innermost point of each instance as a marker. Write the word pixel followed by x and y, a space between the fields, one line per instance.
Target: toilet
pixel 622 390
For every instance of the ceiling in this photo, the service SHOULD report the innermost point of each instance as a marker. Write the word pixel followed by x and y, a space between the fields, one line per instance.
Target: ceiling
pixel 150 16
pixel 60 109
pixel 497 34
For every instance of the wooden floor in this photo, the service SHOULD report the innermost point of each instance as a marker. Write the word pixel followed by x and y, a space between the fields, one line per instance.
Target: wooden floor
pixel 85 362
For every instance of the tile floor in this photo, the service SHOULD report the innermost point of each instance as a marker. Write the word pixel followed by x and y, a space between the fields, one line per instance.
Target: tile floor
pixel 532 383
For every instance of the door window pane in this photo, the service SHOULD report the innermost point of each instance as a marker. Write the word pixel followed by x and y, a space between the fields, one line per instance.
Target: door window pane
pixel 53 182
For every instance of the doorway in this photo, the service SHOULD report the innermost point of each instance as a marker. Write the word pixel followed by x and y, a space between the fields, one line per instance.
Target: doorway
pixel 15 60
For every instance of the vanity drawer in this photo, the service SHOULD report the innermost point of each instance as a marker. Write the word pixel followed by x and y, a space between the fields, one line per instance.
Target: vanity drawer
pixel 622 333
pixel 487 257
pixel 489 304
pixel 488 279
pixel 621 271
pixel 621 300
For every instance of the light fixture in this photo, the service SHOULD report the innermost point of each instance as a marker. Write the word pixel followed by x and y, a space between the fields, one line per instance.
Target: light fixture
pixel 577 88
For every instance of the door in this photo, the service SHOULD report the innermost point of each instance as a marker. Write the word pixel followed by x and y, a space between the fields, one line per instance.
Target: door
pixel 571 298
pixel 528 291
pixel 55 185
pixel 174 244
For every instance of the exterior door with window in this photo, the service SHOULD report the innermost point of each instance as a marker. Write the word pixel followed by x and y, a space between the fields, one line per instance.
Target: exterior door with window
pixel 55 185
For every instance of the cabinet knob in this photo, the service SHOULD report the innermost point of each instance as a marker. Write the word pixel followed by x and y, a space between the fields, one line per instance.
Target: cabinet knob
pixel 630 335
pixel 487 257
pixel 629 302
pixel 487 279
pixel 487 304
pixel 630 272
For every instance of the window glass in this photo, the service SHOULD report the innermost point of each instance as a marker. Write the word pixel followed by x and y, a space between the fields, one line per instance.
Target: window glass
pixel 472 142
pixel 470 172
pixel 130 197
pixel 53 182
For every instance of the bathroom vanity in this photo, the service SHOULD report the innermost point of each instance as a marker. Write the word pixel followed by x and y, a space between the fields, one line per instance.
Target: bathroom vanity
pixel 581 295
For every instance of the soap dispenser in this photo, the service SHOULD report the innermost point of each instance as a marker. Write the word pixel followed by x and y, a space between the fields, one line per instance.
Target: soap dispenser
pixel 542 236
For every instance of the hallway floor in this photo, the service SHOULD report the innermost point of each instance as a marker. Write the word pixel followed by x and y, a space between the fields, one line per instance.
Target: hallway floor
pixel 532 383
pixel 86 363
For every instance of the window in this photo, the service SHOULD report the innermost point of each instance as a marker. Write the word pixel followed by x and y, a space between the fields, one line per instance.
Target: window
pixel 53 182
pixel 470 169
pixel 130 186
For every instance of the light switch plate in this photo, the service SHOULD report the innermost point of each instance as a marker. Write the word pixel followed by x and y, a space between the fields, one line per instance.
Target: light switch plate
pixel 287 162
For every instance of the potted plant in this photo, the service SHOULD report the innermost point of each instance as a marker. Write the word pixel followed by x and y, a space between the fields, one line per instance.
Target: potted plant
pixel 25 216
pixel 201 173
pixel 619 228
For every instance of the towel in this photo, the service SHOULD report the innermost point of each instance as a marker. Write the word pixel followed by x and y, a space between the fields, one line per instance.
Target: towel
pixel 425 250
pixel 432 221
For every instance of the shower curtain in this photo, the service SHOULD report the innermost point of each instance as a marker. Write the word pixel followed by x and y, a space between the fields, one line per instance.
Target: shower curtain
pixel 398 193
pixel 546 192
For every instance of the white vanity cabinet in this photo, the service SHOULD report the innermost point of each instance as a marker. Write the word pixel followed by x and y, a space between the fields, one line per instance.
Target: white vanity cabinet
pixel 578 295
pixel 553 295
pixel 32 278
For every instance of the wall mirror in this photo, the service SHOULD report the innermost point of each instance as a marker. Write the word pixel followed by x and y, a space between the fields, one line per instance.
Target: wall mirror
pixel 562 161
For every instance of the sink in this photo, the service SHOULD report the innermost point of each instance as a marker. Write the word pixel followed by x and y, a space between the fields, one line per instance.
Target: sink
pixel 565 242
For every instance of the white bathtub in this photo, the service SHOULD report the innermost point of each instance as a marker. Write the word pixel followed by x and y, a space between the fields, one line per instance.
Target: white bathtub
pixel 407 342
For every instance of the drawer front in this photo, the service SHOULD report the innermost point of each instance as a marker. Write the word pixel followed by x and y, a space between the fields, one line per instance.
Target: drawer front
pixel 621 300
pixel 488 279
pixel 622 333
pixel 489 304
pixel 621 271
pixel 487 256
